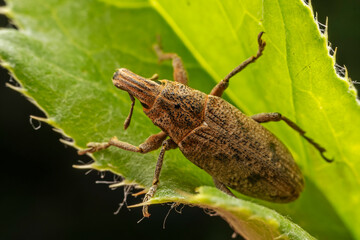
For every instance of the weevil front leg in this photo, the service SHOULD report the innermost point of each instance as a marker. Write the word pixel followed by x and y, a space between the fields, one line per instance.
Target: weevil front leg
pixel 275 117
pixel 151 143
pixel 219 89
pixel 179 74
pixel 128 119
pixel 166 145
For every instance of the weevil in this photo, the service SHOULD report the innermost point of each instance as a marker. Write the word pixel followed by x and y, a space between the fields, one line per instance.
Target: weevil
pixel 232 147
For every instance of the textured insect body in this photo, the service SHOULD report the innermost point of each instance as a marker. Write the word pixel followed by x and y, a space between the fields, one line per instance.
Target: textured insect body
pixel 233 148
pixel 242 154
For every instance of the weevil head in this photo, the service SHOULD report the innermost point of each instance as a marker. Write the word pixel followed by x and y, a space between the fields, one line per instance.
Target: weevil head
pixel 178 109
pixel 141 88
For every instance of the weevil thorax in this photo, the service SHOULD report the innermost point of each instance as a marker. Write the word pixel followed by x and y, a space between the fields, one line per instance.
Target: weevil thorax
pixel 177 110
pixel 145 90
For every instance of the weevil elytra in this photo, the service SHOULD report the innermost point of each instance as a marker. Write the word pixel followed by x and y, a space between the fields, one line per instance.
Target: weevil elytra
pixel 233 148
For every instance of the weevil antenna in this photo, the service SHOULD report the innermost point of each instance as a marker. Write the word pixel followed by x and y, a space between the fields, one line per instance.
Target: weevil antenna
pixel 219 89
pixel 128 119
pixel 252 59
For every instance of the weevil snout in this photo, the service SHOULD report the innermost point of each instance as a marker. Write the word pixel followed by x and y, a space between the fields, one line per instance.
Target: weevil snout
pixel 141 88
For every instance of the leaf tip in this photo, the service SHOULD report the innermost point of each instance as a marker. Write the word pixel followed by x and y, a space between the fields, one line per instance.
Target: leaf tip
pixel 84 166
pixel 326 28
pixel 67 142
pixel 124 183
pixel 15 88
pixel 334 53
pixel 40 119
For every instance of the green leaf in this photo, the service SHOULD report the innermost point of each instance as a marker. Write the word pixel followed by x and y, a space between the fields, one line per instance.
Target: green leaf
pixel 65 53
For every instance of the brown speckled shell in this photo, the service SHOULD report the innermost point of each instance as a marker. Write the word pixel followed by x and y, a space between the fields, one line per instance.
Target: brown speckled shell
pixel 230 146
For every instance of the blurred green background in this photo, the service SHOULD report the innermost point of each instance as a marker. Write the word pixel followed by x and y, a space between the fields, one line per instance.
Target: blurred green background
pixel 43 197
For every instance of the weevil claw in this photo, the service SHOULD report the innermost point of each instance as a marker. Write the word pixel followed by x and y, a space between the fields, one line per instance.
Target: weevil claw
pixel 329 160
pixel 261 42
pixel 93 147
pixel 147 197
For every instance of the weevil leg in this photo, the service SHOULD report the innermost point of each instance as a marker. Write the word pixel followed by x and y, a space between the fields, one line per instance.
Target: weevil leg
pixel 179 74
pixel 219 89
pixel 166 145
pixel 151 143
pixel 128 119
pixel 223 187
pixel 275 117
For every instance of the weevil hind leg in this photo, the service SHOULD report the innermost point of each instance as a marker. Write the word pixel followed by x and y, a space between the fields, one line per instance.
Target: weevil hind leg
pixel 223 187
pixel 219 89
pixel 166 145
pixel 179 74
pixel 275 117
